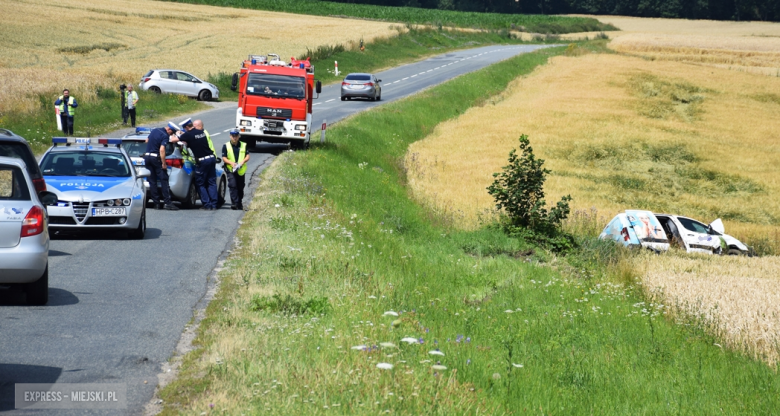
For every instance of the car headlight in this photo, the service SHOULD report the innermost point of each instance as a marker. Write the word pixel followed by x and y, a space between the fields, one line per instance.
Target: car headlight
pixel 300 127
pixel 118 202
pixel 110 202
pixel 245 123
pixel 126 201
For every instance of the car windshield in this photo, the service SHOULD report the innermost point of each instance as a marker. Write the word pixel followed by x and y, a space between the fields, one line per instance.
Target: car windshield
pixel 134 148
pixel 694 226
pixel 82 163
pixel 12 184
pixel 358 78
pixel 282 86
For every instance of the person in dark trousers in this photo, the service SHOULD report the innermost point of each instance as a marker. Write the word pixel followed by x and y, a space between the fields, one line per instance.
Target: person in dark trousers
pixel 67 106
pixel 154 159
pixel 205 163
pixel 235 156
pixel 131 99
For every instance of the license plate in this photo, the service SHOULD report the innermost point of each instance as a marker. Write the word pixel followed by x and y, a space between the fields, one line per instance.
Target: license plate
pixel 355 87
pixel 108 212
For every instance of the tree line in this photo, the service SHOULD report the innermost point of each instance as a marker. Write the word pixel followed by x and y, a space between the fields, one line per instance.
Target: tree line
pixel 766 10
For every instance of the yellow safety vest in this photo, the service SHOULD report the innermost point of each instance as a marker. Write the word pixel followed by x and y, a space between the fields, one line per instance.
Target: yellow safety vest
pixel 71 111
pixel 130 96
pixel 211 144
pixel 241 156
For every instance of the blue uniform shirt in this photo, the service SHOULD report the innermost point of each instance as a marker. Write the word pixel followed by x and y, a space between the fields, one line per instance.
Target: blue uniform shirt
pixel 197 142
pixel 158 137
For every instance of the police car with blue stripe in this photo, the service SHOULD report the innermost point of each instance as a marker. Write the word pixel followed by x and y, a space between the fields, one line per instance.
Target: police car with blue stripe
pixel 96 186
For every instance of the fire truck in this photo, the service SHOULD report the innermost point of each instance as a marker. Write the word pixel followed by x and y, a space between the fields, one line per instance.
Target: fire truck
pixel 275 100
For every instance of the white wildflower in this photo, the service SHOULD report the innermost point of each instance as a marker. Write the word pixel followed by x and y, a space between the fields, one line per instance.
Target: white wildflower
pixel 438 367
pixel 390 313
pixel 384 366
pixel 436 352
pixel 410 340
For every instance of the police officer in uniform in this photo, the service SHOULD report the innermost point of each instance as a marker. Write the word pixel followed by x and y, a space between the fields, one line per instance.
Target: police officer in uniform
pixel 205 163
pixel 235 156
pixel 154 159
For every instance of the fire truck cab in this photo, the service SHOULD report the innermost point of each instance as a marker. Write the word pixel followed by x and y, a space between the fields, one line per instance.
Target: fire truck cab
pixel 275 100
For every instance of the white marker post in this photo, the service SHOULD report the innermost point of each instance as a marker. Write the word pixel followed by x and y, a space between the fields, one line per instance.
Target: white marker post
pixel 337 67
pixel 322 130
pixel 59 120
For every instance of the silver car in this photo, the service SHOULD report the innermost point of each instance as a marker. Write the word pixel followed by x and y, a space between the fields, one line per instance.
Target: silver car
pixel 178 82
pixel 361 85
pixel 24 238
pixel 180 169
pixel 96 187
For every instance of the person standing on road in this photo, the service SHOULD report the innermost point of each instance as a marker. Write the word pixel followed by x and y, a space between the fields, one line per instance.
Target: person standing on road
pixel 67 106
pixel 131 99
pixel 205 163
pixel 235 156
pixel 199 125
pixel 154 159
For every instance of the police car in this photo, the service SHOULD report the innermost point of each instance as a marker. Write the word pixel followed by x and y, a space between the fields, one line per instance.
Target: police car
pixel 96 186
pixel 181 178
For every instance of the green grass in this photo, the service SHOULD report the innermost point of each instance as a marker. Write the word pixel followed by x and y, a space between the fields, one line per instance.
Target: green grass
pixel 413 15
pixel 407 46
pixel 100 114
pixel 522 332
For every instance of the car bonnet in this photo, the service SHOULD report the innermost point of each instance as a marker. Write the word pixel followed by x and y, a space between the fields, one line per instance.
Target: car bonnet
pixel 92 188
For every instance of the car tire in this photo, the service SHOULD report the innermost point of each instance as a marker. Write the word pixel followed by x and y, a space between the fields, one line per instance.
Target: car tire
pixel 204 95
pixel 221 189
pixel 735 252
pixel 138 233
pixel 155 90
pixel 191 200
pixel 379 98
pixel 38 291
pixel 343 98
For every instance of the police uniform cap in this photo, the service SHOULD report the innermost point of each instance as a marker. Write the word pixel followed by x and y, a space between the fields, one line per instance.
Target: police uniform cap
pixel 234 132
pixel 173 126
pixel 186 122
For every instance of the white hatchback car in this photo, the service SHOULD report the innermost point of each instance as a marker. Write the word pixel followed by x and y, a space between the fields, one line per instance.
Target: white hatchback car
pixel 24 238
pixel 178 82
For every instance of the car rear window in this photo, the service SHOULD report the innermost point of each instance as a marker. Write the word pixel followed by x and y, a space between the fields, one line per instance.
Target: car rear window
pixel 18 150
pixel 134 148
pixel 13 187
pixel 148 73
pixel 358 77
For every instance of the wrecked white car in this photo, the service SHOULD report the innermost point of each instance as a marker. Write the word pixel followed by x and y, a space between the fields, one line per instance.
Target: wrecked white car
pixel 658 232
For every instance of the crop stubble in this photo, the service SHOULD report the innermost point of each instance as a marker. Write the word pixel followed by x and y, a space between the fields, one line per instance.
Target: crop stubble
pixel 49 46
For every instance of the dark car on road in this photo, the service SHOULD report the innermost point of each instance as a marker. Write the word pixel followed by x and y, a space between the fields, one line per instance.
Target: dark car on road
pixel 15 146
pixel 360 85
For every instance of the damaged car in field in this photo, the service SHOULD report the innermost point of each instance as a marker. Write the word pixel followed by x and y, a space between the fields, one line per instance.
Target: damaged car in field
pixel 637 228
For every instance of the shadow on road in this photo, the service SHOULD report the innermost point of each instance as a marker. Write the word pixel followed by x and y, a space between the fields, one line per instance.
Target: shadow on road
pixel 16 297
pixel 272 148
pixel 96 235
pixel 11 374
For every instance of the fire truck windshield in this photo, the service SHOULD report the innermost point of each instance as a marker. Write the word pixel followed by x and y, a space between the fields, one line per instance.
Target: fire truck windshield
pixel 281 86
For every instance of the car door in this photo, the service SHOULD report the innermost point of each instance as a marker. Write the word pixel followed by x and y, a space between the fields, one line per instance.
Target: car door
pixel 165 81
pixel 696 236
pixel 188 84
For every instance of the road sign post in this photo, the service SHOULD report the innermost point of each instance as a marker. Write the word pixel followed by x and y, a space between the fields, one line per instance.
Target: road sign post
pixel 322 130
pixel 337 67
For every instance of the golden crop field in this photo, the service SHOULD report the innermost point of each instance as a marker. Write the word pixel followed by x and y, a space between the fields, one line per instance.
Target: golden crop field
pixel 737 295
pixel 47 46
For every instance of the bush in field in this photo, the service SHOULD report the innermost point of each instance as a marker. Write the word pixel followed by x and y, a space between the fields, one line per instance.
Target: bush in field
pixel 518 192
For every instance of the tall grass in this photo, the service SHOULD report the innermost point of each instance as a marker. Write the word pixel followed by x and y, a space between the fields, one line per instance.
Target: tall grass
pixel 495 326
pixel 414 15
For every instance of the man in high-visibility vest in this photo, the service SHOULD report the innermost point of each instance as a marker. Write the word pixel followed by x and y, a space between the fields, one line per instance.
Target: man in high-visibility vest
pixel 199 125
pixel 67 108
pixel 235 156
pixel 131 99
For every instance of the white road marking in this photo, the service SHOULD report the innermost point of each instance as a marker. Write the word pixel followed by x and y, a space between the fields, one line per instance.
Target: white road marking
pixel 316 104
pixel 404 79
pixel 413 76
pixel 215 134
pixel 430 70
pixel 332 99
pixel 396 82
pixel 421 73
pixel 225 131
pixel 437 68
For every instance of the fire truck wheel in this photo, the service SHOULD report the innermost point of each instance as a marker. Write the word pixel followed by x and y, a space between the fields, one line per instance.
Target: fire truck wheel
pixel 204 95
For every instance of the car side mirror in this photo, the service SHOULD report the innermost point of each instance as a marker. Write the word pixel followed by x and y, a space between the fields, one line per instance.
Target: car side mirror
pixel 234 82
pixel 319 87
pixel 379 80
pixel 47 198
pixel 144 173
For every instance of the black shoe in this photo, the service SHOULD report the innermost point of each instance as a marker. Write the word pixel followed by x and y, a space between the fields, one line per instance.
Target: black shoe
pixel 203 208
pixel 171 207
pixel 233 207
pixel 241 207
pixel 157 206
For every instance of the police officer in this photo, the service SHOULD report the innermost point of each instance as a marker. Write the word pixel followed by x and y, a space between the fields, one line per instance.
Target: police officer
pixel 154 159
pixel 67 106
pixel 199 125
pixel 235 156
pixel 205 163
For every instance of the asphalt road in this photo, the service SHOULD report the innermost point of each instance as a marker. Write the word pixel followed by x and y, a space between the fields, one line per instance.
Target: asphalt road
pixel 117 307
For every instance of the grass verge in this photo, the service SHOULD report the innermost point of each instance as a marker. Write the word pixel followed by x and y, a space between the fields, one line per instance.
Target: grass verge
pixel 493 325
pixel 409 45
pixel 414 15
pixel 97 114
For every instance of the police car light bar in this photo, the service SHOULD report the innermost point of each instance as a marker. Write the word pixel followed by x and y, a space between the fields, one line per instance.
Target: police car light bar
pixel 85 140
pixel 142 130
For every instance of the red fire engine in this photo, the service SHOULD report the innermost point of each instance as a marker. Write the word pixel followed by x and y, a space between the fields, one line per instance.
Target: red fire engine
pixel 275 100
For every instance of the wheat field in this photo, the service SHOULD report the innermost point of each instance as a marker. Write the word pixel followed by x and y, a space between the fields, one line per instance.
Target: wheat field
pixel 47 46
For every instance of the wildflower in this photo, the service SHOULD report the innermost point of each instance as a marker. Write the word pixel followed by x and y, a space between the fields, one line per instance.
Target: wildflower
pixel 468 339
pixel 517 365
pixel 387 344
pixel 508 311
pixel 421 341
pixel 459 338
pixel 359 347
pixel 211 405
pixel 438 367
pixel 390 313
pixel 409 340
pixel 496 376
pixel 468 361
pixel 435 342
pixel 384 366
pixel 435 352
